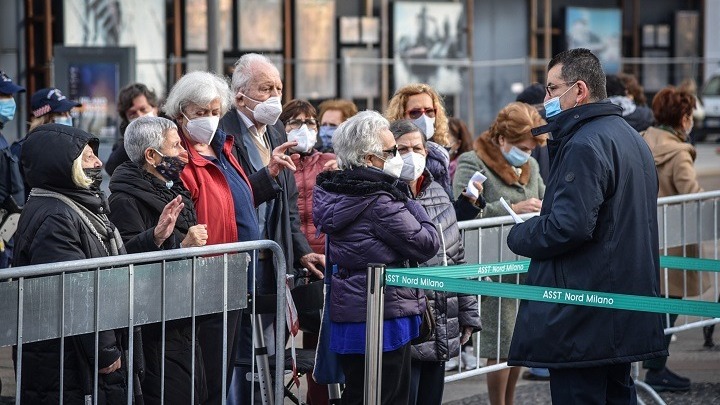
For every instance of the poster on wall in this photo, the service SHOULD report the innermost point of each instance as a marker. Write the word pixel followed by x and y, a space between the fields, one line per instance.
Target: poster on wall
pixel 93 76
pixel 423 34
pixel 599 30
pixel 134 23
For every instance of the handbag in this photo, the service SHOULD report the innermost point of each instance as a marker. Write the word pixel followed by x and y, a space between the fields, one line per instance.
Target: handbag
pixel 308 299
pixel 427 325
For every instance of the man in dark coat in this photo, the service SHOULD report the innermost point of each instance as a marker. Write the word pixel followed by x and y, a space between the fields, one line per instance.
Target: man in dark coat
pixel 259 139
pixel 597 231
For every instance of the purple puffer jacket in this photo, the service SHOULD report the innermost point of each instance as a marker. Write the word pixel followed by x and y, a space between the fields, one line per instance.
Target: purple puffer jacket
pixel 369 218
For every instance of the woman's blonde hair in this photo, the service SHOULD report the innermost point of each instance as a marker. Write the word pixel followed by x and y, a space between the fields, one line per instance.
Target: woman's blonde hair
pixel 78 175
pixel 396 109
pixel 42 120
pixel 514 123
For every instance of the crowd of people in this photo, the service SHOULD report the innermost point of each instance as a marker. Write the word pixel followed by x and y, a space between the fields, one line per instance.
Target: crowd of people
pixel 223 161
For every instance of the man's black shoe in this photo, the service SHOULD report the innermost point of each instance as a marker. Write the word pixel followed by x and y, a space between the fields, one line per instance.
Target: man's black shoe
pixel 708 335
pixel 666 380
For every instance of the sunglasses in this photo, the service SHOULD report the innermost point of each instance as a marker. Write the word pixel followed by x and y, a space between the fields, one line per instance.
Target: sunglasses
pixel 392 151
pixel 415 113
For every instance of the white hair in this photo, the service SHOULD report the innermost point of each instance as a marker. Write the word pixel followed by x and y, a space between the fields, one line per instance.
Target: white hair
pixel 200 88
pixel 244 67
pixel 358 137
pixel 143 133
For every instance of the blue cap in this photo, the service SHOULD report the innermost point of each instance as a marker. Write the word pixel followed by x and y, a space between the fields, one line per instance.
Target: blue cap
pixel 7 86
pixel 50 100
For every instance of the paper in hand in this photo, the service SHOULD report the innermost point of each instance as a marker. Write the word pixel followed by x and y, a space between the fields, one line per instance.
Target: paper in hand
pixel 512 213
pixel 471 189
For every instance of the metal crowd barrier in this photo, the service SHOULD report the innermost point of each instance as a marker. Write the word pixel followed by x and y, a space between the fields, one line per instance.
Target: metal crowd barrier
pixel 682 220
pixel 64 299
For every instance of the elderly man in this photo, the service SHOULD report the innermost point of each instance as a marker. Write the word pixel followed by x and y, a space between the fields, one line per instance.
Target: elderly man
pixel 597 231
pixel 254 123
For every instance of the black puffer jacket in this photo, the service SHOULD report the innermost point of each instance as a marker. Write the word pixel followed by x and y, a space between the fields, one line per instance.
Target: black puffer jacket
pixel 137 200
pixel 453 312
pixel 50 231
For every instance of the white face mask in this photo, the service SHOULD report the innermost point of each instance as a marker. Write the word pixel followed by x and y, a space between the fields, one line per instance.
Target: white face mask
pixel 305 138
pixel 426 124
pixel 413 166
pixel 393 166
pixel 202 129
pixel 268 111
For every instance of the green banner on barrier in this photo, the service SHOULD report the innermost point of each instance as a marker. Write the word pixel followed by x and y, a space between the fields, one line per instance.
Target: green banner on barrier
pixel 427 279
pixel 689 263
pixel 521 266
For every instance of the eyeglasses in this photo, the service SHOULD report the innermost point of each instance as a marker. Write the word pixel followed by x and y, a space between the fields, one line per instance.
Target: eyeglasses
pixel 295 124
pixel 550 88
pixel 392 151
pixel 415 113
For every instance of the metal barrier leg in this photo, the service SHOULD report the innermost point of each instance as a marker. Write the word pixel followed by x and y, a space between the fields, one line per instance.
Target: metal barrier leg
pixel 374 333
pixel 334 394
pixel 642 386
pixel 263 367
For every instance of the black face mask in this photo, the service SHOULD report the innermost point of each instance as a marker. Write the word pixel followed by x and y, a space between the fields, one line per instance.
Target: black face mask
pixel 170 167
pixel 95 174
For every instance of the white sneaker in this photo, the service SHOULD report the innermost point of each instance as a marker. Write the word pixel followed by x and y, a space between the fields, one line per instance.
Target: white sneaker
pixel 468 359
pixel 452 364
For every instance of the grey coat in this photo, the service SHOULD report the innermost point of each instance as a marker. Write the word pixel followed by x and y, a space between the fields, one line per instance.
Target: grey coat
pixel 498 173
pixel 502 181
pixel 453 312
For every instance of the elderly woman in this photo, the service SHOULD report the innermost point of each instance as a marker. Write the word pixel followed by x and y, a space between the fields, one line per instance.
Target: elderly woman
pixel 502 154
pixel 422 104
pixel 220 190
pixel 674 160
pixel 456 315
pixel 65 219
pixel 332 113
pixel 152 210
pixel 370 217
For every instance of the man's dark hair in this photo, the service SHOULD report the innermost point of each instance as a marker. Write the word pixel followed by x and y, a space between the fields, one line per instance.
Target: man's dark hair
pixel 128 94
pixel 581 64
pixel 615 86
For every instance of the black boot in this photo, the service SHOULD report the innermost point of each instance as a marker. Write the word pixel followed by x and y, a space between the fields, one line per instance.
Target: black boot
pixel 708 335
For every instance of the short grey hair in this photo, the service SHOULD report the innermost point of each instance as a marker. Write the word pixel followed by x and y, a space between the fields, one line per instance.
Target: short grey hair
pixel 358 137
pixel 200 88
pixel 581 64
pixel 244 70
pixel 144 133
pixel 404 126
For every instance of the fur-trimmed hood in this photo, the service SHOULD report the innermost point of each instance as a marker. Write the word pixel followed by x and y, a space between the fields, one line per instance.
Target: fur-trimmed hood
pixel 341 197
pixel 492 156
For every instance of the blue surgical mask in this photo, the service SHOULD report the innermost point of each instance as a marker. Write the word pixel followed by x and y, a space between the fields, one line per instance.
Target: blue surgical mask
pixel 64 120
pixel 326 133
pixel 552 106
pixel 7 109
pixel 516 157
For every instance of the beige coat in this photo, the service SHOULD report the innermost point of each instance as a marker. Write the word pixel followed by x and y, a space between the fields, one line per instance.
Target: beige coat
pixel 674 159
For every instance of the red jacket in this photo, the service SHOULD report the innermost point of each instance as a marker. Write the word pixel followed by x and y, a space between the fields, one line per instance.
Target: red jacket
pixel 211 194
pixel 308 167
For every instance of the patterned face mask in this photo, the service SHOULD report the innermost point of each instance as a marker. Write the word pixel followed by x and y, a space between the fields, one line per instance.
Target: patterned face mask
pixel 170 167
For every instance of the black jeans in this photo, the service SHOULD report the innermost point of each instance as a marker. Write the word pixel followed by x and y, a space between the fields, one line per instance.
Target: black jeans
pixel 593 385
pixel 395 377
pixel 427 382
